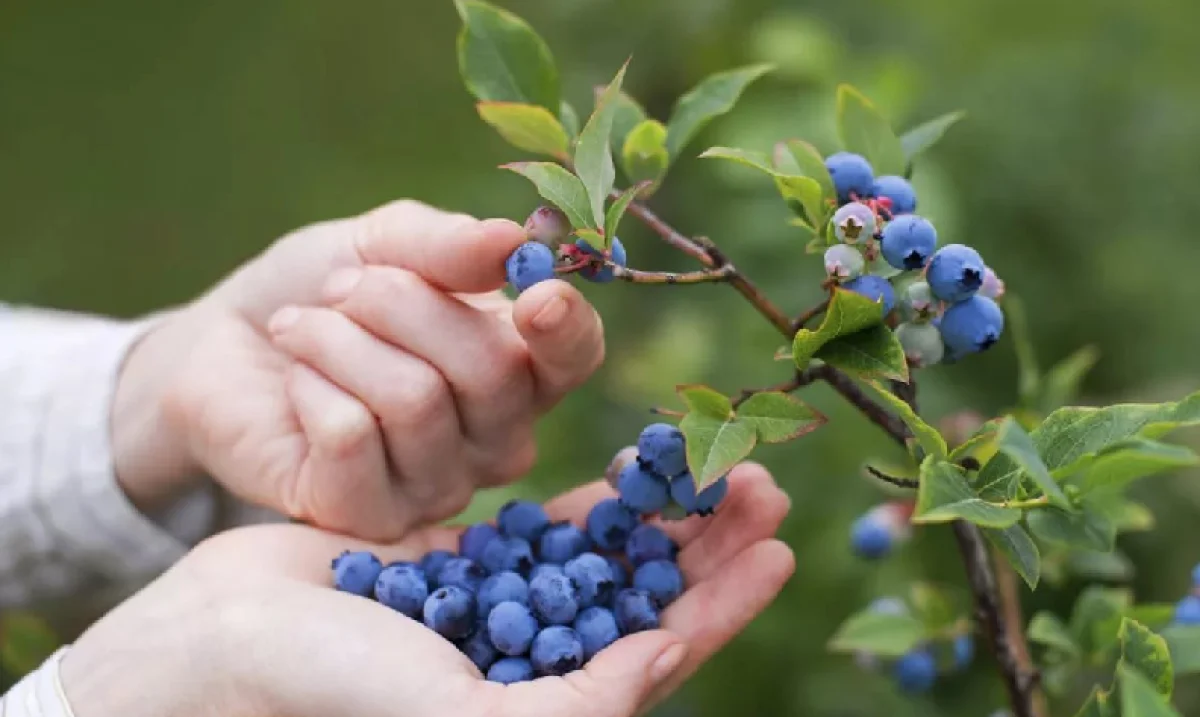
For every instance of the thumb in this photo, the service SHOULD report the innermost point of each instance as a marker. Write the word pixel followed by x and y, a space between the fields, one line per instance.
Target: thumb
pixel 564 335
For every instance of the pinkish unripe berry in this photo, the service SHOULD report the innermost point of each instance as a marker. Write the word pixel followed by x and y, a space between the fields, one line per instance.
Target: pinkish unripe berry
pixel 548 226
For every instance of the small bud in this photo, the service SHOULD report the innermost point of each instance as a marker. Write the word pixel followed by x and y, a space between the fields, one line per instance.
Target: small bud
pixel 624 457
pixel 992 286
pixel 843 262
pixel 548 226
pixel 917 303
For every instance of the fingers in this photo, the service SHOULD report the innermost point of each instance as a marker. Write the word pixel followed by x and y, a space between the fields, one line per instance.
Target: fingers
pixel 564 335
pixel 454 252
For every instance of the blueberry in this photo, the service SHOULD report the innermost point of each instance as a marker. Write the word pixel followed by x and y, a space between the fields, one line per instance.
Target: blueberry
pixel 543 568
pixel 964 651
pixel 908 242
pixel 852 174
pixel 593 578
pixel 955 272
pixel 972 326
pixel 642 491
pixel 508 670
pixel 609 524
pixel 505 586
pixel 635 611
pixel 479 648
pixel 624 457
pixel 854 222
pixel 916 302
pixel 561 542
pixel 843 262
pixel 683 492
pixel 556 650
pixel 916 671
pixel 649 542
pixel 922 343
pixel 450 612
pixel 888 606
pixel 619 573
pixel 597 629
pixel 462 573
pixel 523 519
pixel 532 263
pixel 356 572
pixel 870 538
pixel 548 226
pixel 474 539
pixel 1187 611
pixel 554 599
pixel 662 449
pixel 602 274
pixel 661 579
pixel 504 553
pixel 511 627
pixel 432 565
pixel 992 286
pixel 897 189
pixel 711 496
pixel 875 288
pixel 403 588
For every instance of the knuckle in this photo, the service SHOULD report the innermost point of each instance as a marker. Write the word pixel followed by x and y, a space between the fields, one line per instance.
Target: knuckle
pixel 415 397
pixel 344 431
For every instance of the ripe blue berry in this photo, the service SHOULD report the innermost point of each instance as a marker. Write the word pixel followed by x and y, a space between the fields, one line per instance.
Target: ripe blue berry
pixel 609 524
pixel 509 670
pixel 554 599
pixel 922 343
pixel 875 288
pixel 561 542
pixel 356 572
pixel 403 588
pixel 897 189
pixel 683 492
pixel 661 579
pixel 602 274
pixel 502 587
pixel 870 538
pixel 916 671
pixel 505 553
pixel 908 242
pixel 635 611
pixel 479 648
pixel 992 286
pixel 557 650
pixel 955 272
pixel 474 539
pixel 843 262
pixel 432 565
pixel 450 612
pixel 511 627
pixel 619 573
pixel 662 449
pixel 972 326
pixel 532 263
pixel 649 542
pixel 548 226
pixel 541 568
pixel 854 222
pixel 642 491
pixel 964 651
pixel 593 578
pixel 852 174
pixel 1187 611
pixel 462 573
pixel 522 519
pixel 597 629
pixel 711 496
pixel 624 457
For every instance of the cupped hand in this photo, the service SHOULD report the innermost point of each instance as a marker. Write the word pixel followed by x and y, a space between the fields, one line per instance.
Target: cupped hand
pixel 248 626
pixel 365 374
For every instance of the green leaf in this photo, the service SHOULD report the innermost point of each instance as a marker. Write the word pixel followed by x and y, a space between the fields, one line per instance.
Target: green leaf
pixel 1096 615
pixel 981 445
pixel 945 496
pixel 570 121
pixel 1147 653
pixel 927 436
pixel 559 187
pixel 847 313
pixel 1014 442
pixel 923 136
pixel 1046 629
pixel 629 114
pixel 528 127
pixel 779 417
pixel 1029 376
pixel 881 634
pixel 644 154
pixel 616 210
pixel 715 446
pixel 1184 643
pixel 1139 697
pixel 1022 553
pixel 862 129
pixel 593 151
pixel 708 100
pixel 870 353
pixel 25 642
pixel 1155 616
pixel 706 401
pixel 933 608
pixel 809 163
pixel 1120 464
pixel 1087 530
pixel 793 188
pixel 1099 704
pixel 1061 383
pixel 502 59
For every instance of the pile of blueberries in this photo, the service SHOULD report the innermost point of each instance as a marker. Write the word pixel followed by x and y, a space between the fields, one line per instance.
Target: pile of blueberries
pixel 947 296
pixel 1187 610
pixel 918 669
pixel 530 597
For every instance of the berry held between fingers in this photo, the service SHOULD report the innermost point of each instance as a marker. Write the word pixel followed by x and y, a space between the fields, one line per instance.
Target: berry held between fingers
pixel 532 263
pixel 899 191
pixel 908 242
pixel 599 273
pixel 356 572
pixel 955 272
pixel 851 174
pixel 661 448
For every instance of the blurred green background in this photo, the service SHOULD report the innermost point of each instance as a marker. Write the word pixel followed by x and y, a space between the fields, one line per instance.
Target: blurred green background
pixel 147 148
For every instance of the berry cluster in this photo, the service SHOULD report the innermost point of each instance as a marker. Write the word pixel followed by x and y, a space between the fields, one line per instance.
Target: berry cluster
pixel 1187 610
pixel 875 533
pixel 547 250
pixel 655 479
pixel 949 309
pixel 918 669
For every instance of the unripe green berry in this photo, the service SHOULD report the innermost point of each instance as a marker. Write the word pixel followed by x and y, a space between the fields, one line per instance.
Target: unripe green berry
pixel 917 302
pixel 922 343
pixel 844 262
pixel 548 226
pixel 854 222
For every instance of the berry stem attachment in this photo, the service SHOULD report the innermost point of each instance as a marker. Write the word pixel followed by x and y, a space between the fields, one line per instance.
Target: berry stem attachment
pixel 704 276
pixel 667 232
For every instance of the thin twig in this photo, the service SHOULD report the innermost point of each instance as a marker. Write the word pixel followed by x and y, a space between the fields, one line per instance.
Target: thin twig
pixel 1014 620
pixel 802 320
pixel 668 233
pixel 704 276
pixel 876 413
pixel 894 480
pixel 795 383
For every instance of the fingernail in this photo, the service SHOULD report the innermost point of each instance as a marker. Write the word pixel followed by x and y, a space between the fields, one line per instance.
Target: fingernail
pixel 668 662
pixel 283 319
pixel 340 284
pixel 552 314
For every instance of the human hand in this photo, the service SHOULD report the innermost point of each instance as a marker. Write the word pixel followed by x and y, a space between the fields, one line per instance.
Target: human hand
pixel 247 625
pixel 363 374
